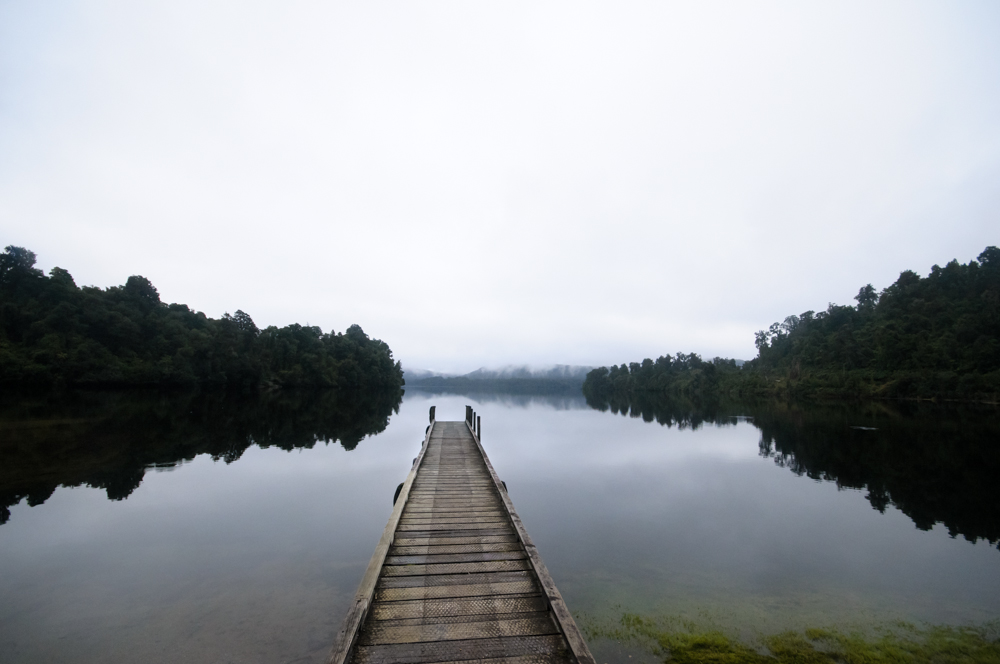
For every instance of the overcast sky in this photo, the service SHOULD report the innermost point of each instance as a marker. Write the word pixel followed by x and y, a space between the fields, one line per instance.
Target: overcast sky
pixel 489 183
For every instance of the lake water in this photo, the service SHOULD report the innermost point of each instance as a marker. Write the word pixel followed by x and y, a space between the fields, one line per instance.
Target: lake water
pixel 239 534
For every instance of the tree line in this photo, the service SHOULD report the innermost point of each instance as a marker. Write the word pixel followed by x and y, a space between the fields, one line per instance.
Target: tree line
pixel 928 337
pixel 55 332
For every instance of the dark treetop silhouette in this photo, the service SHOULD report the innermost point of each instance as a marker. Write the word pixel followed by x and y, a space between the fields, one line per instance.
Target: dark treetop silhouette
pixel 53 332
pixel 934 336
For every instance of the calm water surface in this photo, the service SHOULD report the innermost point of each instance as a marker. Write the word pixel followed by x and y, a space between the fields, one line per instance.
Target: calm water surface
pixel 239 534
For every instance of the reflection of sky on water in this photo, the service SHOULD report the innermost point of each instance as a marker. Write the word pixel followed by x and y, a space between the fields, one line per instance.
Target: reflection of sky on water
pixel 257 560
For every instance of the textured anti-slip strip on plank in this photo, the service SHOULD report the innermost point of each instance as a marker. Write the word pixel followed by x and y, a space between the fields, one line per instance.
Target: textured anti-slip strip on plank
pixel 449 512
pixel 476 557
pixel 380 633
pixel 462 618
pixel 411 540
pixel 456 568
pixel 432 550
pixel 487 532
pixel 490 527
pixel 523 659
pixel 452 579
pixel 470 590
pixel 486 521
pixel 450 651
pixel 472 607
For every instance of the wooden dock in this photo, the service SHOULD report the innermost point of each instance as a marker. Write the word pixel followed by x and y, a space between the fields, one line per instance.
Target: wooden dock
pixel 455 578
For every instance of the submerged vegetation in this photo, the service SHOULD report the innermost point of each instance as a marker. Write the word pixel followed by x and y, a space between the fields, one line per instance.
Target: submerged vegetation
pixel 55 332
pixel 922 337
pixel 682 642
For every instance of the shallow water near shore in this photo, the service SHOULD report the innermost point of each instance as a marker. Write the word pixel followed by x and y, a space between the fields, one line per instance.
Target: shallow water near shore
pixel 747 521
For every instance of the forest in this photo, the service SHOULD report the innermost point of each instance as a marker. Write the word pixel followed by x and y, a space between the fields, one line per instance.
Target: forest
pixel 53 332
pixel 921 337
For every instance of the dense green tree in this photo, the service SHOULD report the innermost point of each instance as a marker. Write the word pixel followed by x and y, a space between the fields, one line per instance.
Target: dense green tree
pixel 934 336
pixel 52 331
pixel 682 374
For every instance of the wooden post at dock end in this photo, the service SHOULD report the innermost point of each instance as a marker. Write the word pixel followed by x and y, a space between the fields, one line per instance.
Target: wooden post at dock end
pixel 432 412
pixel 479 428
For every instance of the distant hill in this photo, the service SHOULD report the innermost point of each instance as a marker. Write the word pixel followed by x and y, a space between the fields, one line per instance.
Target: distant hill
pixel 525 372
pixel 411 374
pixel 510 379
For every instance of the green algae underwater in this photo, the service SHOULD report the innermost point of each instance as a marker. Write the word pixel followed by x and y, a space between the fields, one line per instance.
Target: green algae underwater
pixel 685 641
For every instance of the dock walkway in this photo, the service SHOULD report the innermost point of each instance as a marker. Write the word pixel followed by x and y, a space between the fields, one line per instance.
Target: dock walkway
pixel 455 577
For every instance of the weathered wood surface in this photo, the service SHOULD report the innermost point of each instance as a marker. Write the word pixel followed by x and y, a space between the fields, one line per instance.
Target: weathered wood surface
pixel 457 578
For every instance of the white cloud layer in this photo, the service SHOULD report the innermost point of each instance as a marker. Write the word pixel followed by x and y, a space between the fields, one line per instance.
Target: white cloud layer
pixel 484 183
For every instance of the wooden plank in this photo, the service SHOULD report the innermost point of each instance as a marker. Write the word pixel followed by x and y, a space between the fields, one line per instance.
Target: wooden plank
pixel 436 539
pixel 438 520
pixel 477 480
pixel 507 530
pixel 472 525
pixel 526 586
pixel 440 609
pixel 428 496
pixel 470 649
pixel 464 617
pixel 466 557
pixel 485 510
pixel 454 499
pixel 445 492
pixel 380 633
pixel 455 580
pixel 432 549
pixel 456 568
pixel 550 658
pixel 453 504
pixel 438 517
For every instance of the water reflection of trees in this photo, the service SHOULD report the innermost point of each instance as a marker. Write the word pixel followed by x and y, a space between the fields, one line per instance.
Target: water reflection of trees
pixel 680 412
pixel 935 463
pixel 109 439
